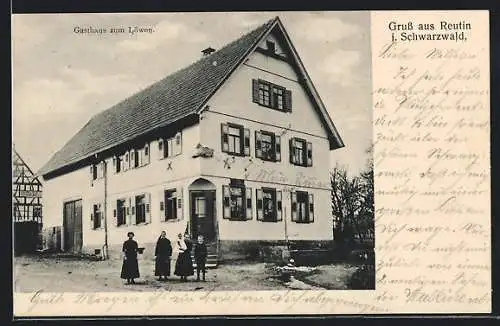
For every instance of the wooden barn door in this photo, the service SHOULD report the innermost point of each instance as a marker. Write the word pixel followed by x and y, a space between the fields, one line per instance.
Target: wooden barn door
pixel 72 224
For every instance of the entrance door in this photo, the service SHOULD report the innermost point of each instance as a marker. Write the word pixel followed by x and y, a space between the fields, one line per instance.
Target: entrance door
pixel 72 225
pixel 202 214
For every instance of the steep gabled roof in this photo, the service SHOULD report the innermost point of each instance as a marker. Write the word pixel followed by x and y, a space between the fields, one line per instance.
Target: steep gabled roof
pixel 177 96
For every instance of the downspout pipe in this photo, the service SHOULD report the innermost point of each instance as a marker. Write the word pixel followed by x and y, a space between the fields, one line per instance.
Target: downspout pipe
pixel 105 251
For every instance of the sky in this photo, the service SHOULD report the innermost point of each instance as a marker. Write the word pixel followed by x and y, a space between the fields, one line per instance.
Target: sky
pixel 61 78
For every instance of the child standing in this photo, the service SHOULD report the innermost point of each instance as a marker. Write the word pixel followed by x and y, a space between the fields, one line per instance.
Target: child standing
pixel 200 255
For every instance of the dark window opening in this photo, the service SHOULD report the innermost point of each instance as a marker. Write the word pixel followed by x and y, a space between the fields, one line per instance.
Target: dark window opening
pixel 170 204
pixel 140 209
pixel 269 205
pixel 97 215
pixel 271 46
pixel 121 212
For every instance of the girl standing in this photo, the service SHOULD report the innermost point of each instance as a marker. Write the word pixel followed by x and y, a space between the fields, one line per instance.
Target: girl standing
pixel 184 264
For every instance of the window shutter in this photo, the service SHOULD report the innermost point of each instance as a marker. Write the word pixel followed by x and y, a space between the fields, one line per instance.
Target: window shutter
pixel 311 208
pixel 102 216
pixel 161 199
pixel 179 203
pixel 146 154
pixel 133 219
pixel 309 154
pixel 246 137
pixel 147 208
pixel 291 142
pixel 224 137
pixel 255 91
pixel 288 100
pixel 258 195
pixel 248 193
pixel 126 162
pixel 132 158
pixel 114 163
pixel 226 205
pixel 178 143
pixel 115 213
pixel 91 174
pixel 258 146
pixel 293 200
pixel 161 153
pixel 279 206
pixel 140 156
pixel 277 148
pixel 129 213
pixel 92 216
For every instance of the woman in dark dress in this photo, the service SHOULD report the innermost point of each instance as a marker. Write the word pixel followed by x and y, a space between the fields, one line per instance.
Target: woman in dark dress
pixel 163 252
pixel 130 267
pixel 184 264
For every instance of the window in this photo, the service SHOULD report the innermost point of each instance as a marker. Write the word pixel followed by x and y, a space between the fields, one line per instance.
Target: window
pixel 235 139
pixel 170 204
pixel 117 162
pixel 93 172
pixel 121 212
pixel 300 152
pixel 271 95
pixel 141 209
pixel 144 155
pixel 237 202
pixel 271 46
pixel 302 207
pixel 171 146
pixel 126 162
pixel 278 97
pixel 134 159
pixel 267 146
pixel 97 171
pixel 96 216
pixel 269 205
pixel 264 94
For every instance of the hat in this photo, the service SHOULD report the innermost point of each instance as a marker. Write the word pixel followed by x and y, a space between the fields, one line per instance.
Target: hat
pixel 130 233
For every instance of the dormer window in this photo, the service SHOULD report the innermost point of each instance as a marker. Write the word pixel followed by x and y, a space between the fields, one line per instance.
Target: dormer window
pixel 271 46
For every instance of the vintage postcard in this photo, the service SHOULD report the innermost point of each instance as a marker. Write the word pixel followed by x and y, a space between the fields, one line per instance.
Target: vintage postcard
pixel 251 163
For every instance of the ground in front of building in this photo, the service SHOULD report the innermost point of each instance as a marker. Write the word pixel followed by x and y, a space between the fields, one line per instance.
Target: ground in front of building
pixel 64 274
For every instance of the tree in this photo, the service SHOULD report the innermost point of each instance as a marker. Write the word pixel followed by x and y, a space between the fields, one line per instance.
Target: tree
pixel 353 204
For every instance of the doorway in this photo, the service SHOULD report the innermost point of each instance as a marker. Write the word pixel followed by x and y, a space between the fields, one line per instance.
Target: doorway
pixel 203 214
pixel 72 226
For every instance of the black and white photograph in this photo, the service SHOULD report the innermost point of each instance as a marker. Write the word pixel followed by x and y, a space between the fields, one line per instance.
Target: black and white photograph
pixel 192 151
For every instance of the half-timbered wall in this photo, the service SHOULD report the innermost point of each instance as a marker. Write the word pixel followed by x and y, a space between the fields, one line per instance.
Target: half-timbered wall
pixel 26 192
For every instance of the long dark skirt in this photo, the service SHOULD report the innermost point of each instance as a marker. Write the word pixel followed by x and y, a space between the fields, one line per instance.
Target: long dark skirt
pixel 162 266
pixel 130 268
pixel 184 265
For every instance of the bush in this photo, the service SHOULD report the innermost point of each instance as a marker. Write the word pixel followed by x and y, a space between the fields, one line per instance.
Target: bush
pixel 363 278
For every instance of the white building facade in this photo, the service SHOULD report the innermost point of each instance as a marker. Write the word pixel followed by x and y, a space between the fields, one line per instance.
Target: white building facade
pixel 246 166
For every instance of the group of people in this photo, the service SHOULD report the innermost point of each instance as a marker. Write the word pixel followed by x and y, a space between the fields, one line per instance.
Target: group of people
pixel 163 254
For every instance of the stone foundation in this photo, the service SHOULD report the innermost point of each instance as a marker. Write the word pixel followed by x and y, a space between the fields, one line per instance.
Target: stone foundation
pixel 272 251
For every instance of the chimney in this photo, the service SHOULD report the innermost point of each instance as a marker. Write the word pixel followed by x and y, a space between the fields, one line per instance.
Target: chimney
pixel 208 51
